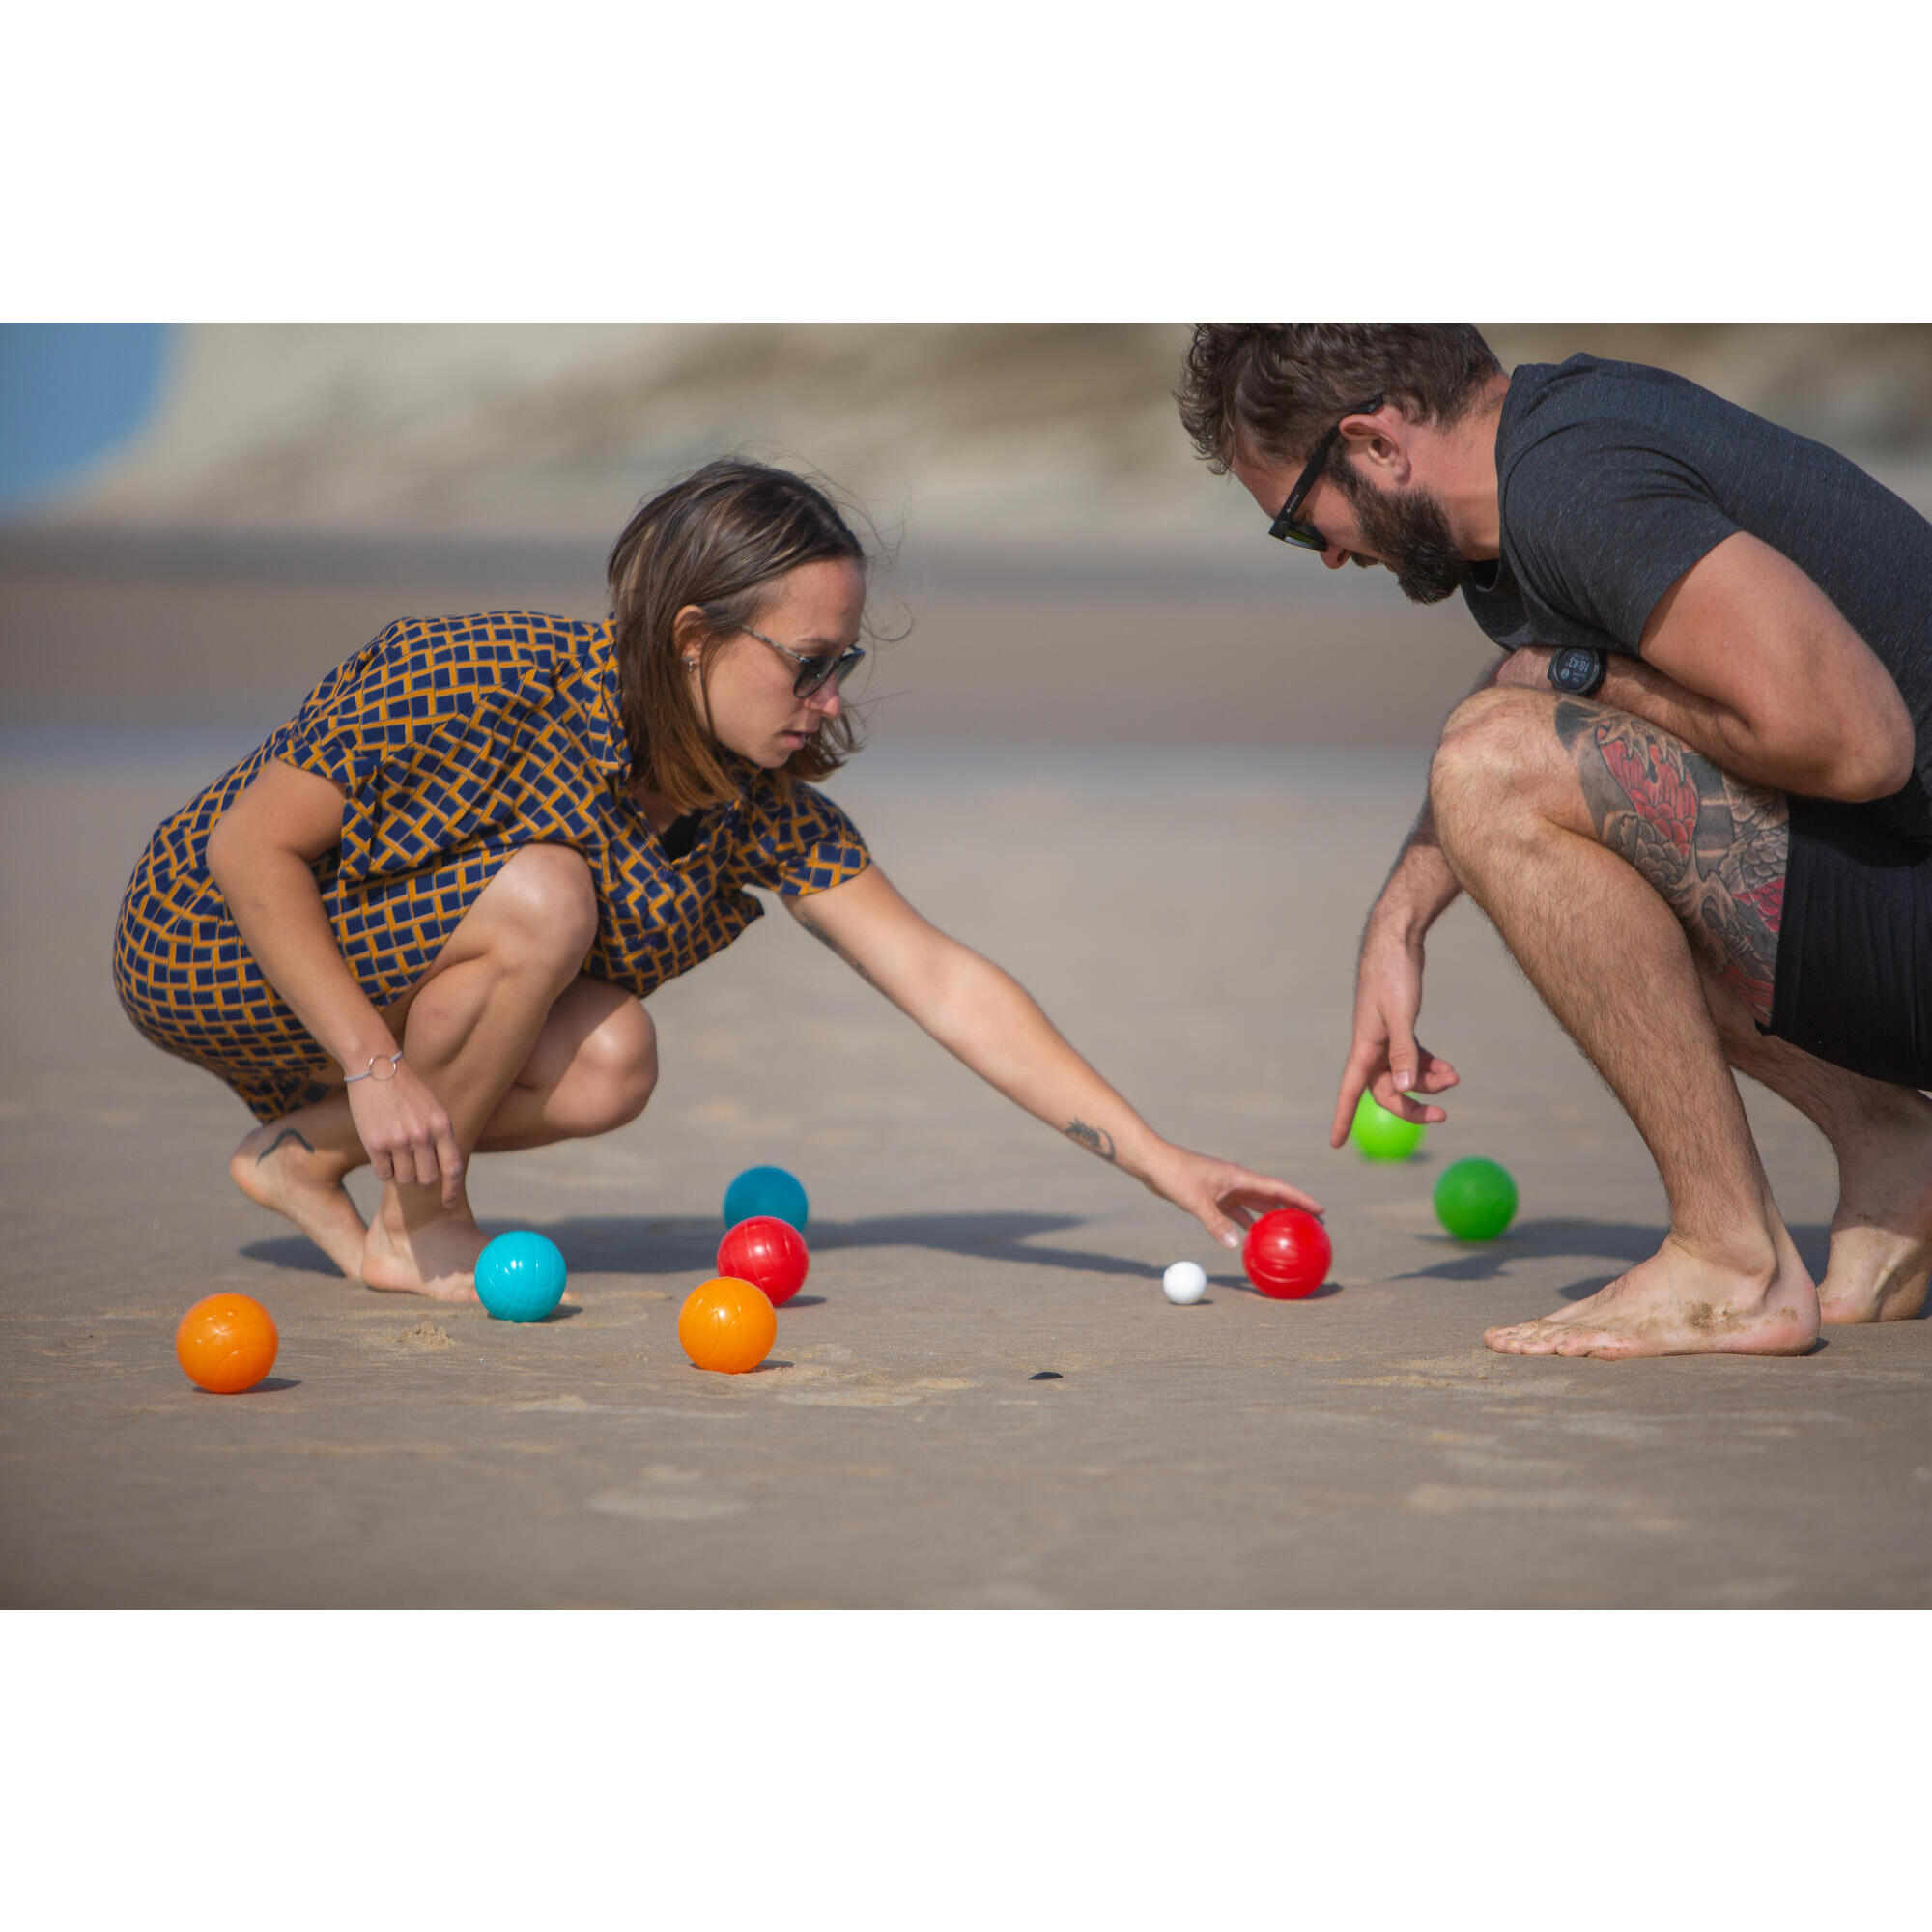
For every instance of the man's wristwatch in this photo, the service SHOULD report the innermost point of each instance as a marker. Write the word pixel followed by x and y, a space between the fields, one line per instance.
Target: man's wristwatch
pixel 1577 670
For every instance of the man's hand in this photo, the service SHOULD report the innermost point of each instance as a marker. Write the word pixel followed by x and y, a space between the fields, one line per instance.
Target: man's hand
pixel 1386 1057
pixel 1528 665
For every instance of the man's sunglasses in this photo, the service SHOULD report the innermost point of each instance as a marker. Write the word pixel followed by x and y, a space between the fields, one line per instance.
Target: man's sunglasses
pixel 815 672
pixel 1288 525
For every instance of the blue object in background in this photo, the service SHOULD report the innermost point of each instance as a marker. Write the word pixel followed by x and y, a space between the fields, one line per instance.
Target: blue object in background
pixel 520 1277
pixel 72 393
pixel 766 1190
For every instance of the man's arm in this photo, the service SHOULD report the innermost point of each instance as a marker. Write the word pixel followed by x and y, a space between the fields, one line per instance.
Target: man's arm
pixel 1747 660
pixel 1420 887
pixel 1384 1055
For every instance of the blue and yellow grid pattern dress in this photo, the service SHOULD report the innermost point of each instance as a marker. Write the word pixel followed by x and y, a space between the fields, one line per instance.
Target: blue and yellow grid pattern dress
pixel 455 740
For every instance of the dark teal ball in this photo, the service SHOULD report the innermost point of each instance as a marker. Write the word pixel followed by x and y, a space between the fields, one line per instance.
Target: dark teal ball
pixel 766 1190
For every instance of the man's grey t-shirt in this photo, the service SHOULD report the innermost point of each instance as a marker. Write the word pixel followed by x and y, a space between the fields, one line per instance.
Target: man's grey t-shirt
pixel 1612 479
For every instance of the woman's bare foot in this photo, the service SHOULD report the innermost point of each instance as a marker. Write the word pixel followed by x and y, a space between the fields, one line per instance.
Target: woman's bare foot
pixel 1679 1304
pixel 1881 1233
pixel 277 1167
pixel 423 1252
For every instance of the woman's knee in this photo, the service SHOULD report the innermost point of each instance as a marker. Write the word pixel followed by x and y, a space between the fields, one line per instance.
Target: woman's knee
pixel 598 1059
pixel 543 903
pixel 618 1065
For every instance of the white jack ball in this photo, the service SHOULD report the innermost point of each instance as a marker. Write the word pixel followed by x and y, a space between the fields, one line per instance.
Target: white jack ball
pixel 1184 1283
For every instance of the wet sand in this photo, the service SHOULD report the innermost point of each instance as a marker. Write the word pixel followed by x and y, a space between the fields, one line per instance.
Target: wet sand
pixel 1189 917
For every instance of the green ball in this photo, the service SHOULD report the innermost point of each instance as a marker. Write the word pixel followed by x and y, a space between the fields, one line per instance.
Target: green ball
pixel 1475 1199
pixel 1382 1135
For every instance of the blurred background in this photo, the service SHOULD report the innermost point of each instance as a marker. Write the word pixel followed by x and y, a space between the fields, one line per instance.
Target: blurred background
pixel 197 522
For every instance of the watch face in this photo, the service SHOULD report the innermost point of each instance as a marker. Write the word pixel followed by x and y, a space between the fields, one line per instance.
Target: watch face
pixel 1573 670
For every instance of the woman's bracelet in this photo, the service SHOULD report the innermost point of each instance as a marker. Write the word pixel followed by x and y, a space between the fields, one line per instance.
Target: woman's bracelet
pixel 395 1060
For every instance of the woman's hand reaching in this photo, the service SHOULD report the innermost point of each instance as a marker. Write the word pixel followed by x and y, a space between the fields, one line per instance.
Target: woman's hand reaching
pixel 1223 1196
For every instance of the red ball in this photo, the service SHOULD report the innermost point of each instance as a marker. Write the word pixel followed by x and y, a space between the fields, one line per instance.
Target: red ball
pixel 1287 1254
pixel 767 1251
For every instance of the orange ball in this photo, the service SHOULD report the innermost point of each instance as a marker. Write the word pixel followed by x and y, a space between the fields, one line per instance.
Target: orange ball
pixel 226 1343
pixel 727 1325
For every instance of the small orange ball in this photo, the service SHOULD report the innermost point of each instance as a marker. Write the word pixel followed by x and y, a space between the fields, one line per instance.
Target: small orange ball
pixel 226 1343
pixel 727 1325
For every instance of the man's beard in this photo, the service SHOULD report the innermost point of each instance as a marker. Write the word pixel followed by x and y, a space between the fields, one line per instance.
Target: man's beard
pixel 1407 529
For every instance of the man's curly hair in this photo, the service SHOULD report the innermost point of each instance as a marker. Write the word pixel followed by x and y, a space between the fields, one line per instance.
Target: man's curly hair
pixel 1273 389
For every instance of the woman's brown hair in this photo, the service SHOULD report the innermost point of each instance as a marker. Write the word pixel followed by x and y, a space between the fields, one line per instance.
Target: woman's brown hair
pixel 720 540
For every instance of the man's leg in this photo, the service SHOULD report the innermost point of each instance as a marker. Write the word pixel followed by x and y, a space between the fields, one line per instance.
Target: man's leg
pixel 1603 851
pixel 1881 1135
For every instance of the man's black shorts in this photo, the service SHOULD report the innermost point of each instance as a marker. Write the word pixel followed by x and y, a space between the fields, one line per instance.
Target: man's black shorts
pixel 1854 982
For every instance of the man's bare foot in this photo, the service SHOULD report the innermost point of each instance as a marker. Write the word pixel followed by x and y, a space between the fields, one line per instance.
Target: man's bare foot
pixel 436 1257
pixel 1881 1233
pixel 278 1167
pixel 1679 1304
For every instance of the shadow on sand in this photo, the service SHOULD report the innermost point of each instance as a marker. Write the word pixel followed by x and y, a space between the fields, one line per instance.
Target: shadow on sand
pixel 292 1252
pixel 637 1244
pixel 1622 1242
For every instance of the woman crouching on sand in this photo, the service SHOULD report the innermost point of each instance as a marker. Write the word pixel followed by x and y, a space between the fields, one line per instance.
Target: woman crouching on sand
pixel 420 920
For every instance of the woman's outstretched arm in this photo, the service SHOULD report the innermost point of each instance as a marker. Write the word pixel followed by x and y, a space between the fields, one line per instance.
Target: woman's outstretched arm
pixel 987 1019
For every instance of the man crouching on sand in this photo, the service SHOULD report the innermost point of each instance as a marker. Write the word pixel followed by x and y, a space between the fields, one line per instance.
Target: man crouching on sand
pixel 1694 795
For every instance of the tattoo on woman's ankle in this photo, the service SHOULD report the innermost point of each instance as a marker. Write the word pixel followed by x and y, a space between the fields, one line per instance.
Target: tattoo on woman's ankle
pixel 286 1134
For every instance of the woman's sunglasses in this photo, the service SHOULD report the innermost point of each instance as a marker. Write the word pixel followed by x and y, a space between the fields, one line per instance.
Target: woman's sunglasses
pixel 815 672
pixel 1288 524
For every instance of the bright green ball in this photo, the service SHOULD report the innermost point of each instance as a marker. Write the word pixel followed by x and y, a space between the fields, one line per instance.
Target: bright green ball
pixel 1475 1199
pixel 1382 1135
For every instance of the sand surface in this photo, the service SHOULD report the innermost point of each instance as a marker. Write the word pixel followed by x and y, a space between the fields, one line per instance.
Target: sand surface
pixel 1189 917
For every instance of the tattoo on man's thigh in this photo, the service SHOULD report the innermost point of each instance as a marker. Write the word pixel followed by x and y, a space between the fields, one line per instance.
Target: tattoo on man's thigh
pixel 1714 847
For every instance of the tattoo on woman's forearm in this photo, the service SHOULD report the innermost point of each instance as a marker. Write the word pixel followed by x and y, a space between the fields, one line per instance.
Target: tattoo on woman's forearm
pixel 832 946
pixel 1097 1139
pixel 1713 847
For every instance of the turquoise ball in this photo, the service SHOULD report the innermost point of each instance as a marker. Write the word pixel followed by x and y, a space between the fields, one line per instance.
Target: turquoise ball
pixel 1475 1199
pixel 766 1190
pixel 1382 1135
pixel 521 1276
